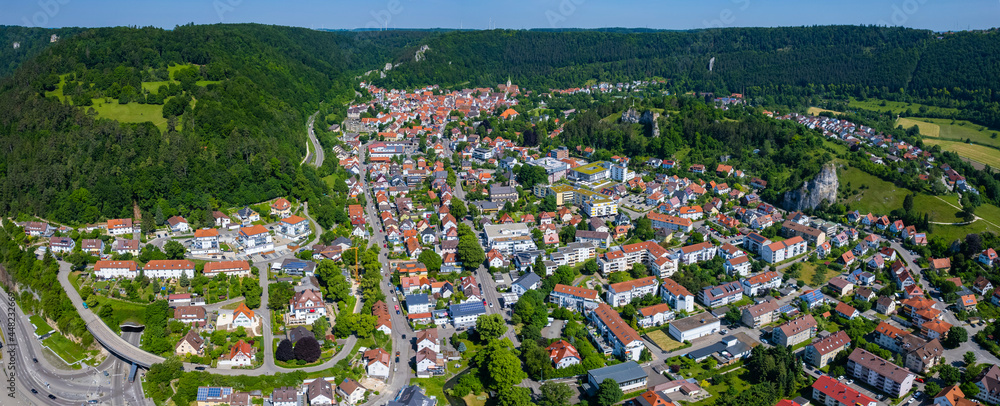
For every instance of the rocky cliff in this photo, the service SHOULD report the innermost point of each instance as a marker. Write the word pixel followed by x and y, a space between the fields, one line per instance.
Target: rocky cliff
pixel 822 187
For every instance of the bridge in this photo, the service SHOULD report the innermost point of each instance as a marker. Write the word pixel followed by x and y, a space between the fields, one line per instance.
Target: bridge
pixel 114 343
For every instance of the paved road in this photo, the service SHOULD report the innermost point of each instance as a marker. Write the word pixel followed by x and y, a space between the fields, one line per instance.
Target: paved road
pixel 317 149
pixel 71 387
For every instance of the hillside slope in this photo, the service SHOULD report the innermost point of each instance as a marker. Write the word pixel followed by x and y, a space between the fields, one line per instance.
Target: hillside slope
pixel 238 140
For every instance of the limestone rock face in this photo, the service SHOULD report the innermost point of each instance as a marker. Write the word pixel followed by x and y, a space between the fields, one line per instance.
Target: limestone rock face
pixel 822 187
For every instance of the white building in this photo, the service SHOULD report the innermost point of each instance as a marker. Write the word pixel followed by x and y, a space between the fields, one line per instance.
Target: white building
pixel 740 265
pixel 704 251
pixel 509 238
pixel 294 227
pixel 620 294
pixel 694 327
pixel 115 269
pixel 624 340
pixel 621 173
pixel 575 298
pixel 782 250
pixel 206 241
pixel 254 240
pixel 168 268
pixel 306 307
pixel 677 296
pixel 654 315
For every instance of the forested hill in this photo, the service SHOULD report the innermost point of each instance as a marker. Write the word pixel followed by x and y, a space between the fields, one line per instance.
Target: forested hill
pixel 18 44
pixel 768 58
pixel 236 116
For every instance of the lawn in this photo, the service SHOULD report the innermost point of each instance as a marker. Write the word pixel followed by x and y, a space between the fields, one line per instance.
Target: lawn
pixel 41 328
pixel 123 311
pixel 717 390
pixel 663 340
pixel 896 107
pixel 814 111
pixel 979 153
pixel 809 269
pixel 433 386
pixel 475 400
pixel 954 130
pixel 69 351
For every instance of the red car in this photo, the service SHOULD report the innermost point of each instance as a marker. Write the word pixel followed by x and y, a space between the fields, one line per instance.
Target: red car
pixel 397 307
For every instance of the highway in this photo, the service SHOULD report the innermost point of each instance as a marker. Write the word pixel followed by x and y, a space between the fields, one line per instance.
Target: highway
pixel 70 387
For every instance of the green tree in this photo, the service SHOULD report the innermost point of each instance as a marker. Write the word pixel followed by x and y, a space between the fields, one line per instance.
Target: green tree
pixel 515 396
pixel 470 252
pixel 174 250
pixel 956 336
pixel 320 327
pixel 458 209
pixel 431 259
pixel 537 362
pixel 932 388
pixel 643 229
pixel 608 393
pixel 969 358
pixel 949 374
pixel 490 327
pixel 555 394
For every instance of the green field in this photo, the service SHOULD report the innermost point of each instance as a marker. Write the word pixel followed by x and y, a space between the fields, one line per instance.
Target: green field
pixel 979 153
pixel 123 311
pixel 131 113
pixel 69 351
pixel 881 197
pixel 40 327
pixel 944 128
pixel 814 111
pixel 896 107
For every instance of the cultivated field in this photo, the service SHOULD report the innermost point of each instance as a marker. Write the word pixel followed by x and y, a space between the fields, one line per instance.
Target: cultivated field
pixel 985 155
pixel 961 130
pixel 814 111
pixel 895 107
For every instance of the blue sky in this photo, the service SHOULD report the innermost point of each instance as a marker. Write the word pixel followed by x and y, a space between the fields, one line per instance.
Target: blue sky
pixel 937 15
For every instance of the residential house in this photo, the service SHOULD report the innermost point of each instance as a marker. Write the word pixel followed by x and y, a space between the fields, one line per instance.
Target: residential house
pixel 879 373
pixel 190 344
pixel 714 296
pixel 795 331
pixel 563 354
pixel 782 250
pixel 820 352
pixel 241 354
pixel 351 391
pixel 254 240
pixel 620 294
pixel 168 268
pixel 629 376
pixel 761 314
pixel 677 296
pixel 281 208
pixel 575 298
pixel 319 392
pixel 761 283
pixel 831 392
pixel 306 307
pixel 654 315
pixel 624 340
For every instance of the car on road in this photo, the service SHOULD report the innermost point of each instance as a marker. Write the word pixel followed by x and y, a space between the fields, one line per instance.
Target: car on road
pixel 491 304
pixel 397 312
pixel 34 359
pixel 397 359
pixel 33 390
pixel 918 395
pixel 51 396
pixel 724 332
pixel 393 298
pixel 404 337
pixel 911 400
pixel 397 307
pixel 850 382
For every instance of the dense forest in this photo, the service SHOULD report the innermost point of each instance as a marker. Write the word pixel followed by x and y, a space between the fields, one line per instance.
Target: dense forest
pixel 18 44
pixel 237 141
pixel 873 56
pixel 236 136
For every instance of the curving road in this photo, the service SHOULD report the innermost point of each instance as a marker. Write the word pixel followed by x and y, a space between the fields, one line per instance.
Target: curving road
pixel 315 143
pixel 70 387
